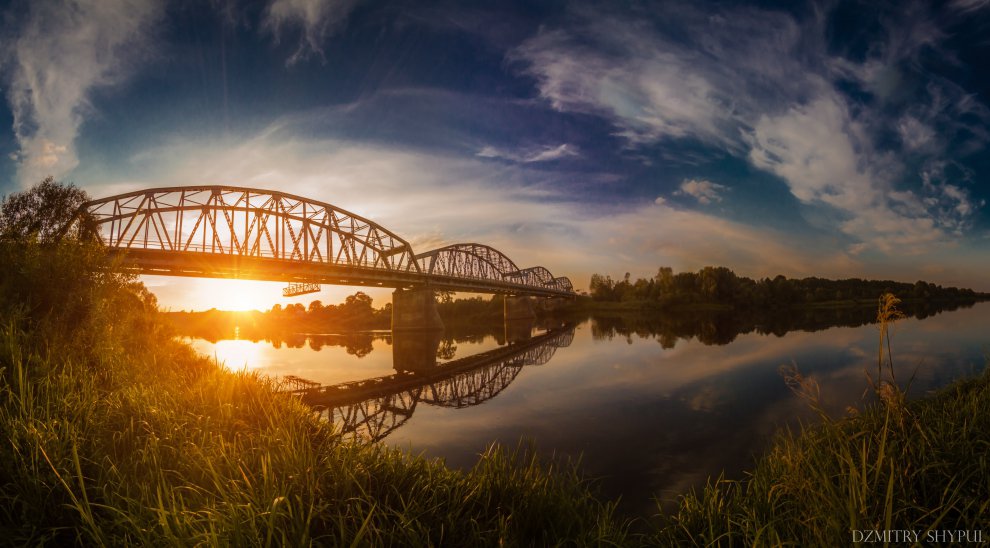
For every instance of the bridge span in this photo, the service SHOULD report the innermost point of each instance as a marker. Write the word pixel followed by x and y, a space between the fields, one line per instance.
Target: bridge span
pixel 245 233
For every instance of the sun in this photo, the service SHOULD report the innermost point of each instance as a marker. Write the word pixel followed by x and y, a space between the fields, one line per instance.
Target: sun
pixel 207 293
pixel 240 295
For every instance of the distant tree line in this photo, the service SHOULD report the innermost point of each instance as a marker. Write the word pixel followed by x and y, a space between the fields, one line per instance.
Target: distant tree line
pixel 355 312
pixel 282 324
pixel 720 285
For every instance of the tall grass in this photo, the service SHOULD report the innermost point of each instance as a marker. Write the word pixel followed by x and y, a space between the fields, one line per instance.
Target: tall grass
pixel 918 466
pixel 178 451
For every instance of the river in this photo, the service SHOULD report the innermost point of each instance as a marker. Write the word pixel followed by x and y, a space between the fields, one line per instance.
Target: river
pixel 653 406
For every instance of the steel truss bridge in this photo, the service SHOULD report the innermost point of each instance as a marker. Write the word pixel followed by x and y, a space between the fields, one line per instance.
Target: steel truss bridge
pixel 372 409
pixel 235 232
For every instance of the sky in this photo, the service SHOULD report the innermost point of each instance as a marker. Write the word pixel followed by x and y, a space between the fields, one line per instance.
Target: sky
pixel 832 139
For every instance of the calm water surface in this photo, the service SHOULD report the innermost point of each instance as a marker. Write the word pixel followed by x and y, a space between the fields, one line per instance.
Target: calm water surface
pixel 653 407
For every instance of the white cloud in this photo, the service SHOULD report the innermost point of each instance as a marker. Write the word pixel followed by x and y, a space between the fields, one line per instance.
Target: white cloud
pixel 967 6
pixel 534 154
pixel 704 191
pixel 60 52
pixel 915 134
pixel 765 87
pixel 317 20
pixel 654 87
pixel 554 153
pixel 820 152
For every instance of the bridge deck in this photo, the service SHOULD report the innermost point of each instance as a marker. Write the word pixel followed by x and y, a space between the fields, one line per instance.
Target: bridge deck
pixel 208 265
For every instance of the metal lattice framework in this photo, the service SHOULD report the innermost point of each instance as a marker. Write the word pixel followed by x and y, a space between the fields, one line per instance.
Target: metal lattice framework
pixel 472 388
pixel 467 260
pixel 479 261
pixel 372 409
pixel 249 223
pixel 374 419
pixel 536 275
pixel 236 232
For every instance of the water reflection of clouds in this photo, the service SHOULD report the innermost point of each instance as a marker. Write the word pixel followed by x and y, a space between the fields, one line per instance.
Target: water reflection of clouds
pixel 653 421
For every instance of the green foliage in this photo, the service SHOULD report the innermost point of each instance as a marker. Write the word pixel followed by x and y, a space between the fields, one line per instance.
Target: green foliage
pixel 42 213
pixel 719 285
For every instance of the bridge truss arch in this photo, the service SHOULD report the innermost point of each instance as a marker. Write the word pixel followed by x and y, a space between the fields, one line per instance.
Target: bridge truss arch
pixel 221 231
pixel 483 262
pixel 245 222
pixel 467 260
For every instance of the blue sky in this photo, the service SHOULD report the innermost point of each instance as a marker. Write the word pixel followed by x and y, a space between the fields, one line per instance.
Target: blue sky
pixel 838 139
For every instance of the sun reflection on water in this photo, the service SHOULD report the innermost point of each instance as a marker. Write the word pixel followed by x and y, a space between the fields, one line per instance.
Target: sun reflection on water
pixel 238 354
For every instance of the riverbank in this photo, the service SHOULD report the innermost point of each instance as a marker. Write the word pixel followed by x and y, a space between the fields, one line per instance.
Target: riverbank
pixel 151 444
pixel 163 446
pixel 920 466
pixel 118 434
pixel 588 305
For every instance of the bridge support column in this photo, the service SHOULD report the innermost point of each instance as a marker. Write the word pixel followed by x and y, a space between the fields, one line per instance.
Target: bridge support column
pixel 415 309
pixel 518 308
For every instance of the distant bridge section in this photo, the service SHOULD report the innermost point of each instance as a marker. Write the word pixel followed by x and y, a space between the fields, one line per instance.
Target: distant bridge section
pixel 236 232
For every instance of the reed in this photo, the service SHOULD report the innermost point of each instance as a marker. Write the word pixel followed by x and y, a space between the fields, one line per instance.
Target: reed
pixel 173 449
pixel 919 466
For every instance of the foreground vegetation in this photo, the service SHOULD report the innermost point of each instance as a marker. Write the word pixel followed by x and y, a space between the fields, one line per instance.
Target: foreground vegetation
pixel 115 433
pixel 921 466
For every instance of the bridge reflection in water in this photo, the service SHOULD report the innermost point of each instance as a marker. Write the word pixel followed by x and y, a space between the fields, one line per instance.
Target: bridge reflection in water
pixel 372 409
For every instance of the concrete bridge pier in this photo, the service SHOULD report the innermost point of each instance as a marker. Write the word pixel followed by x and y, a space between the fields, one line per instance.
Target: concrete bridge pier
pixel 518 308
pixel 415 310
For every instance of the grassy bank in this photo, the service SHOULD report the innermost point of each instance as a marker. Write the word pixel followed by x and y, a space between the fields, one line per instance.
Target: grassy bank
pixel 141 441
pixel 919 466
pixel 117 434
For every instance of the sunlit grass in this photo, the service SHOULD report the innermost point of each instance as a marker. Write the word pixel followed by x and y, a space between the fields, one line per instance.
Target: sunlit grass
pixel 179 451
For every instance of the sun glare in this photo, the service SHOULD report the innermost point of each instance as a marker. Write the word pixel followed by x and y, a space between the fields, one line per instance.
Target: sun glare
pixel 207 293
pixel 240 294
pixel 238 354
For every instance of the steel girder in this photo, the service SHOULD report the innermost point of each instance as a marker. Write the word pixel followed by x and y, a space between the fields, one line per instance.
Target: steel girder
pixel 468 260
pixel 479 261
pixel 245 222
pixel 536 276
pixel 473 387
pixel 564 284
pixel 236 232
pixel 374 419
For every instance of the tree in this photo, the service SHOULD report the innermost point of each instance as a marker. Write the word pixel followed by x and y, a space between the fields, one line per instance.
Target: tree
pixel 43 212
pixel 602 288
pixel 665 282
pixel 64 287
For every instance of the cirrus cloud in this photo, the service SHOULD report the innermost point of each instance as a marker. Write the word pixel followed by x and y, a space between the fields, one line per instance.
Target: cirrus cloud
pixel 765 86
pixel 59 52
